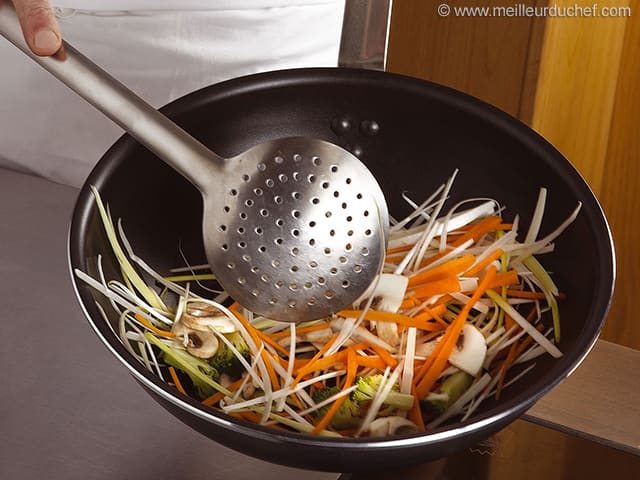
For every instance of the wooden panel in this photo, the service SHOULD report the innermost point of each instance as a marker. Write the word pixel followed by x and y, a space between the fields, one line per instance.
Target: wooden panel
pixel 483 56
pixel 620 191
pixel 600 401
pixel 576 87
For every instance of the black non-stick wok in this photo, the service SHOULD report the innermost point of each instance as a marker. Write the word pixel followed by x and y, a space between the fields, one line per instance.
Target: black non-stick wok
pixel 412 135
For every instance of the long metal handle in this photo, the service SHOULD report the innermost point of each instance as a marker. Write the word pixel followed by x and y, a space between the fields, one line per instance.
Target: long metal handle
pixel 159 134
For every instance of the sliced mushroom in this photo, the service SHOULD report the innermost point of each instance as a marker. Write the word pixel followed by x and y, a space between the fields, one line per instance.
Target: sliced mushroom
pixel 203 317
pixel 388 295
pixel 389 292
pixel 197 326
pixel 468 354
pixel 388 426
pixel 201 344
pixel 470 350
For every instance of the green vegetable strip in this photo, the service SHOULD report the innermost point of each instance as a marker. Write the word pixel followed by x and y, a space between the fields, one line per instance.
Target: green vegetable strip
pixel 187 366
pixel 149 295
pixel 551 290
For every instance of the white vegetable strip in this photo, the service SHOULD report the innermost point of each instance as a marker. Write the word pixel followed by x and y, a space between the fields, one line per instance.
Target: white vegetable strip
pixel 536 220
pixel 455 222
pixel 409 354
pixel 292 357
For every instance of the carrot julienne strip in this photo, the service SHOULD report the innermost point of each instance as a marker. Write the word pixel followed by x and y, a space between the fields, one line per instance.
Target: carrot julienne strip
pixel 415 413
pixel 313 328
pixel 315 358
pixel 153 328
pixel 371 362
pixel 437 287
pixel 323 363
pixel 450 268
pixel 507 278
pixel 176 380
pixel 216 397
pixel 525 294
pixel 352 367
pixel 437 360
pixel 484 226
pixel 482 264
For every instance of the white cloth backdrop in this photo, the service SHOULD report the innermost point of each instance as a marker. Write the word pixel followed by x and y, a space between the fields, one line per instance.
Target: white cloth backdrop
pixel 160 49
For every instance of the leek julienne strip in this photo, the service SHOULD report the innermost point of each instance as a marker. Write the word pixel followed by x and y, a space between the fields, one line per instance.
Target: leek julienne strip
pixel 520 320
pixel 150 295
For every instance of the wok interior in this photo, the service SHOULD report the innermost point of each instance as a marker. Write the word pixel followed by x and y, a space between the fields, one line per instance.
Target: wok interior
pixel 425 133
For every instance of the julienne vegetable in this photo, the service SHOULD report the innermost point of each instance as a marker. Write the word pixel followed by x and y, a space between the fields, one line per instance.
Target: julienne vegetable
pixel 458 312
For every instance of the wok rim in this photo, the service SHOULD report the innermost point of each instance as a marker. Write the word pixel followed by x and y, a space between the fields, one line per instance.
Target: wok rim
pixel 510 409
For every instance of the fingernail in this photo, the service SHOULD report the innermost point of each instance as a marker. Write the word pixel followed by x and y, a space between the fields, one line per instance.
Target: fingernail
pixel 46 41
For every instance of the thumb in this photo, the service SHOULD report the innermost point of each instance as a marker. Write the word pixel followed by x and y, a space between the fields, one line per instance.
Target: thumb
pixel 39 26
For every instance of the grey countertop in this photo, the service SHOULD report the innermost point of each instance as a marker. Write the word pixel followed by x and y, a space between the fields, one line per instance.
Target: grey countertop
pixel 67 408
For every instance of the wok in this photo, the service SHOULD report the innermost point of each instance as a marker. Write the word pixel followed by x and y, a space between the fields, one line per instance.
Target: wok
pixel 412 135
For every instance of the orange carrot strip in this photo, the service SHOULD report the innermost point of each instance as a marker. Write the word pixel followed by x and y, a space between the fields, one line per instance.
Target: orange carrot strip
pixel 287 332
pixel 505 366
pixel 481 265
pixel 525 294
pixel 508 321
pixel 176 380
pixel 270 370
pixel 506 278
pixel 153 328
pixel 266 339
pixel 505 226
pixel 213 399
pixel 315 358
pixel 216 397
pixel 514 352
pixel 415 413
pixel 385 356
pixel 324 363
pixel 409 302
pixel 400 249
pixel 371 362
pixel 450 268
pixel 437 287
pixel 352 366
pixel 429 260
pixel 484 226
pixel 434 313
pixel 250 328
pixel 444 348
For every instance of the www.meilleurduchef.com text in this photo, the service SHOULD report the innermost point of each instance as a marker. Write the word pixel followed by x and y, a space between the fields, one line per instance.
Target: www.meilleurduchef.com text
pixel 523 10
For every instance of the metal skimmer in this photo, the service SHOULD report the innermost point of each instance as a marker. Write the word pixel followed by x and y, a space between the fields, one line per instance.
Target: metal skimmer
pixel 294 229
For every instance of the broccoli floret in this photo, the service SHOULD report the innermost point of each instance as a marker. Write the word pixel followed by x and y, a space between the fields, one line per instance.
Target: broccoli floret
pixel 347 416
pixel 450 390
pixel 225 361
pixel 202 375
pixel 368 386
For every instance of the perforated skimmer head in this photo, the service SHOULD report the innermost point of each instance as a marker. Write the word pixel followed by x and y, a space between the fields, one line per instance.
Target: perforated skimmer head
pixel 294 229
pixel 298 229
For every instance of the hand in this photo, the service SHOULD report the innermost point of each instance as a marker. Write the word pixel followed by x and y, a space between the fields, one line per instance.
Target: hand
pixel 39 26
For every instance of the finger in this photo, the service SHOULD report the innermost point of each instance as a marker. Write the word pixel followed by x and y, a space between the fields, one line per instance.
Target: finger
pixel 39 26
